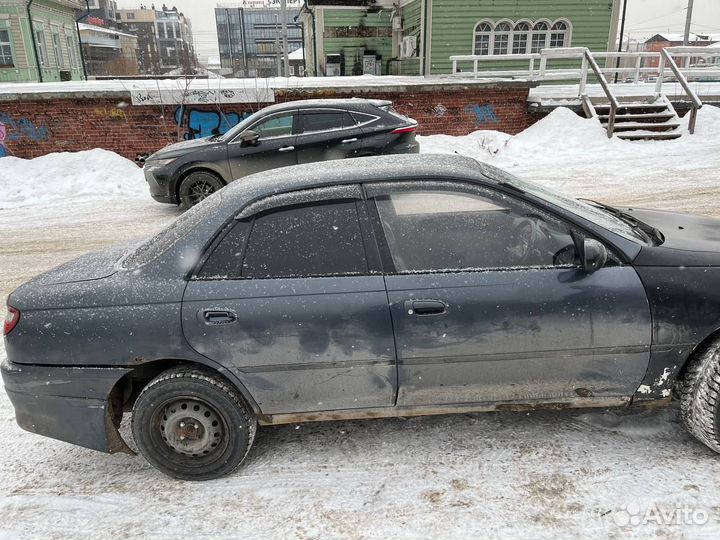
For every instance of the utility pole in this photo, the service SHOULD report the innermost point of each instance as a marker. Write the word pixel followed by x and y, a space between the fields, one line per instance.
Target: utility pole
pixel 688 21
pixel 278 53
pixel 283 23
pixel 622 36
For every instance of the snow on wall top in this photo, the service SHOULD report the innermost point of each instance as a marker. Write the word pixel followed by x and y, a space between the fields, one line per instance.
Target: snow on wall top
pixel 199 91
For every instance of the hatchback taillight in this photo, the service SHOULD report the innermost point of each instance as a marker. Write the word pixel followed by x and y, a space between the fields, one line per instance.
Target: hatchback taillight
pixel 406 129
pixel 11 320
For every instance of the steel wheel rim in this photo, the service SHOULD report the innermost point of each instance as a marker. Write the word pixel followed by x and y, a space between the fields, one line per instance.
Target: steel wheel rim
pixel 191 427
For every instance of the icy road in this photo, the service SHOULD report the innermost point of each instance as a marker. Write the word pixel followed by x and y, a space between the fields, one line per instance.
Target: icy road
pixel 571 474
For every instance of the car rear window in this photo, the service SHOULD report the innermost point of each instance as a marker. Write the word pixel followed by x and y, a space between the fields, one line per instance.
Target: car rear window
pixel 311 122
pixel 168 237
pixel 313 240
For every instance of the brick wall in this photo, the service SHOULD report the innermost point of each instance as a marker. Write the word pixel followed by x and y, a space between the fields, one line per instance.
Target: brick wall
pixel 35 128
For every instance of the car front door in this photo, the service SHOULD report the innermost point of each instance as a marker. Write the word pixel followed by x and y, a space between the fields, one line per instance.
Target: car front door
pixel 275 146
pixel 489 302
pixel 291 301
pixel 326 134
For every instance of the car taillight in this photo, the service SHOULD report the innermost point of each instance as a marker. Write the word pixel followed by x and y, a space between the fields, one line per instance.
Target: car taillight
pixel 11 320
pixel 406 129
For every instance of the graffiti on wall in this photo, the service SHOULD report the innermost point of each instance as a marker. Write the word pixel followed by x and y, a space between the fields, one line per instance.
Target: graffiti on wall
pixel 17 129
pixel 484 114
pixel 3 133
pixel 111 113
pixel 201 124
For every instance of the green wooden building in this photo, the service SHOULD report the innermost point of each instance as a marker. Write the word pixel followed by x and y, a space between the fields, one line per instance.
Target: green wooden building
pixel 417 37
pixel 39 40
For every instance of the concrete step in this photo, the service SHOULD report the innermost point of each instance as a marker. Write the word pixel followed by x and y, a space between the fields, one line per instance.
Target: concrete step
pixel 634 108
pixel 634 126
pixel 644 135
pixel 646 117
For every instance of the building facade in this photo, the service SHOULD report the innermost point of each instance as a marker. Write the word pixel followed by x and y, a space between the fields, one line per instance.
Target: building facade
pixel 102 13
pixel 250 42
pixel 418 36
pixel 108 51
pixel 39 40
pixel 660 41
pixel 165 39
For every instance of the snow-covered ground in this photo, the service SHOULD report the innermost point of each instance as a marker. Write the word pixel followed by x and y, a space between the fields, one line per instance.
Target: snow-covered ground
pixel 569 474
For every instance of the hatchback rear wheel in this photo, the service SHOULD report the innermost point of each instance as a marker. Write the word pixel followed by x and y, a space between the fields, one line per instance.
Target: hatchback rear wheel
pixel 198 186
pixel 190 424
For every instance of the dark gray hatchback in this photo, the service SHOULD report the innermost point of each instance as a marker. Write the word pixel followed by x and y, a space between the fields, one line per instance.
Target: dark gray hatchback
pixel 387 286
pixel 281 135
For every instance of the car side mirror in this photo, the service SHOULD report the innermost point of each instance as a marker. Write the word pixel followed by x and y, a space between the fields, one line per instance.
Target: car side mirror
pixel 249 137
pixel 594 255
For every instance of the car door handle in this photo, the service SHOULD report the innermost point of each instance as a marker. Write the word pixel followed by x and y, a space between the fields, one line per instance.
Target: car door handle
pixel 214 317
pixel 348 141
pixel 286 149
pixel 425 307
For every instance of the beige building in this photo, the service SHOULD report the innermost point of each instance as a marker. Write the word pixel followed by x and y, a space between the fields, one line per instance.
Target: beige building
pixel 108 51
pixel 165 39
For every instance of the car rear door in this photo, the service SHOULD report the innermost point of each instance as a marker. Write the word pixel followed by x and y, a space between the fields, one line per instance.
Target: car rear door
pixel 489 303
pixel 274 148
pixel 291 299
pixel 326 134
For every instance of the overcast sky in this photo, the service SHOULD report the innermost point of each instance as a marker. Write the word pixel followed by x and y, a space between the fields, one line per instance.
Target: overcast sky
pixel 644 18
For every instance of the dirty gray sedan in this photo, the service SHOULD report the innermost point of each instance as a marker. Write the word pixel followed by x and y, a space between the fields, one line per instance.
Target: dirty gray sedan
pixel 378 287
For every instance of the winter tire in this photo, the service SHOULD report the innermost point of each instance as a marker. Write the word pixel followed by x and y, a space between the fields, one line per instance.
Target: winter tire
pixel 197 187
pixel 192 425
pixel 699 393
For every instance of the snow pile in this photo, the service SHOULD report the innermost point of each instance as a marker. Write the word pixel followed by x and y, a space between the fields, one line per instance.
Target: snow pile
pixel 69 175
pixel 708 122
pixel 563 135
pixel 574 155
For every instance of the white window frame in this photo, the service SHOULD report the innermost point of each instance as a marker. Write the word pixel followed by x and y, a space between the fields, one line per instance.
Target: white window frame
pixel 57 47
pixel 509 33
pixel 72 52
pixel 531 33
pixel 545 33
pixel 9 43
pixel 41 43
pixel 527 33
pixel 567 38
pixel 489 35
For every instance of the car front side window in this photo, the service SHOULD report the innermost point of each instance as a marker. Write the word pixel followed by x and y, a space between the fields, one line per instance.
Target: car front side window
pixel 277 126
pixel 444 231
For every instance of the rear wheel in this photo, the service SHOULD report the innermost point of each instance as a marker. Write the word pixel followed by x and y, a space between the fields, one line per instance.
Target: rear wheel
pixel 190 424
pixel 198 186
pixel 699 393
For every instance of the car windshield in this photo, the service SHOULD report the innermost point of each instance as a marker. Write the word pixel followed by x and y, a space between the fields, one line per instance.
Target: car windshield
pixel 598 216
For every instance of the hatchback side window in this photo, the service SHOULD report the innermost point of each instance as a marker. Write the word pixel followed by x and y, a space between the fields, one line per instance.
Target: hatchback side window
pixel 435 231
pixel 312 122
pixel 312 240
pixel 277 126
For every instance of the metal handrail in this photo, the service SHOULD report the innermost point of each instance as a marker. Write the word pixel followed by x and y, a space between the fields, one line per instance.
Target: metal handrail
pixel 666 58
pixel 614 103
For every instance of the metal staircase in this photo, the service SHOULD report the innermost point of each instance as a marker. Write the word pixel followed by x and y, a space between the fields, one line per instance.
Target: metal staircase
pixel 637 120
pixel 651 117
